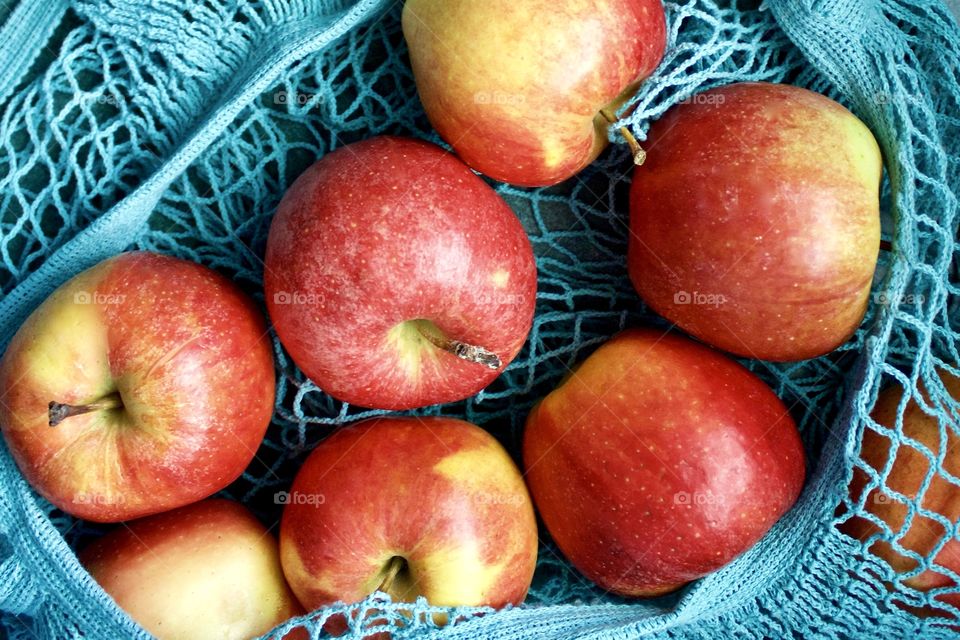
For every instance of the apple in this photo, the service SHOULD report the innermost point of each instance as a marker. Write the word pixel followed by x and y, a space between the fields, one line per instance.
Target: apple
pixel 525 92
pixel 143 384
pixel 396 278
pixel 908 470
pixel 659 461
pixel 755 221
pixel 410 507
pixel 207 570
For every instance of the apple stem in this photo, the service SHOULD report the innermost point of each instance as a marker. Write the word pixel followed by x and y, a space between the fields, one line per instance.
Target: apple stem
pixel 464 351
pixel 394 567
pixel 639 155
pixel 58 412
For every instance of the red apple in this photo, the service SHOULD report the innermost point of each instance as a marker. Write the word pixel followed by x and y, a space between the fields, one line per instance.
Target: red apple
pixel 755 220
pixel 525 92
pixel 410 507
pixel 396 278
pixel 207 570
pixel 141 385
pixel 907 473
pixel 659 461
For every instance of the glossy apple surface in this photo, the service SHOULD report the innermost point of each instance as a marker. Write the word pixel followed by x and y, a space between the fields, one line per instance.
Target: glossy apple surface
pixel 659 461
pixel 173 366
pixel 908 471
pixel 409 506
pixel 755 221
pixel 518 88
pixel 207 570
pixel 384 254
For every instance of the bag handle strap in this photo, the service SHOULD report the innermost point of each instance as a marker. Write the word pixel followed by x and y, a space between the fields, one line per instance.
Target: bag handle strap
pixel 24 34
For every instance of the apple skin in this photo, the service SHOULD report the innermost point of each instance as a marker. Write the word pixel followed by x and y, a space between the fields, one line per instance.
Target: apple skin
pixel 517 89
pixel 189 356
pixel 659 461
pixel 440 493
pixel 755 221
pixel 382 236
pixel 907 474
pixel 207 570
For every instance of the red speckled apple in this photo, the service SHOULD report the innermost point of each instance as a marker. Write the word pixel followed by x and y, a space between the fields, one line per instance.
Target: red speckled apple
pixel 909 470
pixel 141 385
pixel 396 278
pixel 658 461
pixel 525 91
pixel 755 221
pixel 409 506
pixel 207 570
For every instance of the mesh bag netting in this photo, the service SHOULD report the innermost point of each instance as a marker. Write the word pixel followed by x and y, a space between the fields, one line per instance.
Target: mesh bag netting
pixel 176 127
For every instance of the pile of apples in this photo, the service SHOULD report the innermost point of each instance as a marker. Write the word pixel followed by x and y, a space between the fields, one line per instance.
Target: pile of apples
pixel 397 278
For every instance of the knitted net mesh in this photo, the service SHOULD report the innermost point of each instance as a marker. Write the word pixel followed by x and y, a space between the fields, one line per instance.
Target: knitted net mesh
pixel 176 127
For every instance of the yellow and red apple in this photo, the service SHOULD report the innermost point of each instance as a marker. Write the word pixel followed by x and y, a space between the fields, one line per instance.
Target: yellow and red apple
pixel 209 570
pixel 396 278
pixel 658 461
pixel 143 384
pixel 411 507
pixel 525 91
pixel 909 469
pixel 755 221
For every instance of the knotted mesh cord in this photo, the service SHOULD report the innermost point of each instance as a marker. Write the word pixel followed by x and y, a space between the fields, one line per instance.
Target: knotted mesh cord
pixel 136 87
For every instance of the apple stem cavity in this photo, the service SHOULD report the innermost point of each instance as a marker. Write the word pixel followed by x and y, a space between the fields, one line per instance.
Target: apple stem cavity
pixel 58 412
pixel 639 155
pixel 395 565
pixel 464 351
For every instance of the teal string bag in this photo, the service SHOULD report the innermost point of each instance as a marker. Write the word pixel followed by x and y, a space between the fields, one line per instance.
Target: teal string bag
pixel 176 127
